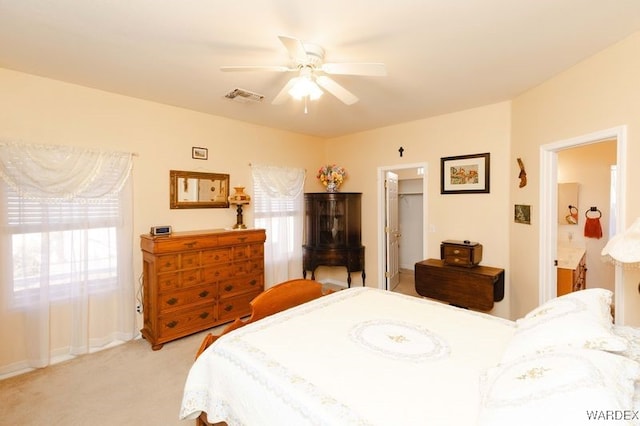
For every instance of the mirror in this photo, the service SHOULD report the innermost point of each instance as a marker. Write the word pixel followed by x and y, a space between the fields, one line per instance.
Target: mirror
pixel 196 190
pixel 567 203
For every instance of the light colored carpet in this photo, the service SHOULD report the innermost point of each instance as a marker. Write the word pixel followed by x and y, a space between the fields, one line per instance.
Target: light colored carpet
pixel 125 385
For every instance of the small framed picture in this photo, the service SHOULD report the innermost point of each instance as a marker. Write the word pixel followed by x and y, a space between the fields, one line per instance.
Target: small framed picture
pixel 199 153
pixel 465 174
pixel 522 214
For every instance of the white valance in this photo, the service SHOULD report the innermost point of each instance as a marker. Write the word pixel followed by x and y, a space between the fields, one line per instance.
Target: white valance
pixel 279 182
pixel 56 172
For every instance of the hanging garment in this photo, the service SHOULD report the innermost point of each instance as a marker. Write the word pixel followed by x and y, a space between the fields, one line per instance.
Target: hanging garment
pixel 592 227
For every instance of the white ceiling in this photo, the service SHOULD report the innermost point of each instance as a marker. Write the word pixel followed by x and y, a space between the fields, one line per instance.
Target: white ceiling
pixel 441 55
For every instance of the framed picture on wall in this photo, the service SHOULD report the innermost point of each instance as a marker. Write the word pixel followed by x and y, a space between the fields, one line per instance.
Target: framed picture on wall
pixel 522 214
pixel 465 174
pixel 199 153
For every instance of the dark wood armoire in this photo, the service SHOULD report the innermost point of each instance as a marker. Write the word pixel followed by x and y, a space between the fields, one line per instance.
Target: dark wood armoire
pixel 333 234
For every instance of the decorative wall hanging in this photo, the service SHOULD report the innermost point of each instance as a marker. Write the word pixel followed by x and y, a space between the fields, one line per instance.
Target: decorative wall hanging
pixel 465 174
pixel 199 153
pixel 523 174
pixel 522 214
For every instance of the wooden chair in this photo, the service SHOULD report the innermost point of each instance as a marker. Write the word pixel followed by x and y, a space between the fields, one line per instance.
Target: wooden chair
pixel 275 299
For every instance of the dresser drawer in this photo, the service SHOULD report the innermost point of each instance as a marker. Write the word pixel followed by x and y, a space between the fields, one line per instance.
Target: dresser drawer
pixel 178 243
pixel 234 286
pixel 180 299
pixel 240 253
pixel 179 280
pixel 235 307
pixel 256 251
pixel 461 253
pixel 217 273
pixel 239 237
pixel 211 257
pixel 198 318
pixel 168 263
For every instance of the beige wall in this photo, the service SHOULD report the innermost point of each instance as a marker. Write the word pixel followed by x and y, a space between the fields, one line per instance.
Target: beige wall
pixel 475 217
pixel 39 110
pixel 600 93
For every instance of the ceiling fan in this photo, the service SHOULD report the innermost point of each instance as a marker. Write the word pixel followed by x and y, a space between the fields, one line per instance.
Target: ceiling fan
pixel 308 62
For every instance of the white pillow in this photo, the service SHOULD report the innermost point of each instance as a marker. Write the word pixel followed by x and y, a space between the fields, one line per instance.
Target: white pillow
pixel 596 301
pixel 568 387
pixel 577 320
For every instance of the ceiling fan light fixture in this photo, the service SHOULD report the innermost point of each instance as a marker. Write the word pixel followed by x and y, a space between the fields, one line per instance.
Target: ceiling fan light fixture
pixel 305 87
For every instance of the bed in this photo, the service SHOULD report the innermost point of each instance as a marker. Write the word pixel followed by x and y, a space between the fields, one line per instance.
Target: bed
pixel 364 356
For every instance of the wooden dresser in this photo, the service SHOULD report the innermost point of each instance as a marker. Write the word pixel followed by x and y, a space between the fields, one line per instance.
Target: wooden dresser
pixel 474 287
pixel 199 279
pixel 332 232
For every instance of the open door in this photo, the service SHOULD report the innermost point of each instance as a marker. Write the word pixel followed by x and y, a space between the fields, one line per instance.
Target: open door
pixel 392 232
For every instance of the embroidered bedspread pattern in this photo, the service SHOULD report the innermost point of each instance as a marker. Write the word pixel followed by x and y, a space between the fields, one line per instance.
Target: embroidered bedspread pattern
pixel 359 356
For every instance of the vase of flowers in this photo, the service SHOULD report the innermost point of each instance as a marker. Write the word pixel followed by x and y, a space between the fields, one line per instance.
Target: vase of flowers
pixel 331 176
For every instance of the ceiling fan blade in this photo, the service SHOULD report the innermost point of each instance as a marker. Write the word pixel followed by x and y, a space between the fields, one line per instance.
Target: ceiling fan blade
pixel 274 68
pixel 283 94
pixel 296 49
pixel 336 90
pixel 355 68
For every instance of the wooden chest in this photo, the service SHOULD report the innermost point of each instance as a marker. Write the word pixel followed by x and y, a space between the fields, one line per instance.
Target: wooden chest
pixel 461 253
pixel 197 280
pixel 475 288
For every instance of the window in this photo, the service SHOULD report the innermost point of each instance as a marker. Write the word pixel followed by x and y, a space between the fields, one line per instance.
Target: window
pixel 277 214
pixel 278 208
pixel 65 239
pixel 72 243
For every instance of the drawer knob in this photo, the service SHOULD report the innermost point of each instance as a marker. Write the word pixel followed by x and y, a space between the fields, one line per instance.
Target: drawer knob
pixel 204 315
pixel 172 301
pixel 190 245
pixel 228 288
pixel 253 282
pixel 228 308
pixel 172 324
pixel 456 251
pixel 203 293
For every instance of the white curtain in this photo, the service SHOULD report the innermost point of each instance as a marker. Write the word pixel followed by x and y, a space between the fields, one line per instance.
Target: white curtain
pixel 278 208
pixel 66 253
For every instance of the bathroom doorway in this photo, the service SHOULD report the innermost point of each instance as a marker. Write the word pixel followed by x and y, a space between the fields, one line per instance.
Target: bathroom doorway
pixel 586 169
pixel 549 210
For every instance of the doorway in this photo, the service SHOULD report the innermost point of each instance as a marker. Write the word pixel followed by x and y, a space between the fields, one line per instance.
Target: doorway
pixel 405 172
pixel 548 209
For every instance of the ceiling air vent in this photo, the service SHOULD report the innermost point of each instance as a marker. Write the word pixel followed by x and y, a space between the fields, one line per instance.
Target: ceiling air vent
pixel 244 96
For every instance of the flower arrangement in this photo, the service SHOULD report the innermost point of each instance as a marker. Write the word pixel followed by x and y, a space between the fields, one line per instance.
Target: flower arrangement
pixel 331 176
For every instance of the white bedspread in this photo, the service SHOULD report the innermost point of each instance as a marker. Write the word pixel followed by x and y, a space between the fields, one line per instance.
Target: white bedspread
pixel 360 356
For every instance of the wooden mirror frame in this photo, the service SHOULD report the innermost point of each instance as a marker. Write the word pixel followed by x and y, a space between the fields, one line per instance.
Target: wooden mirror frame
pixel 219 180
